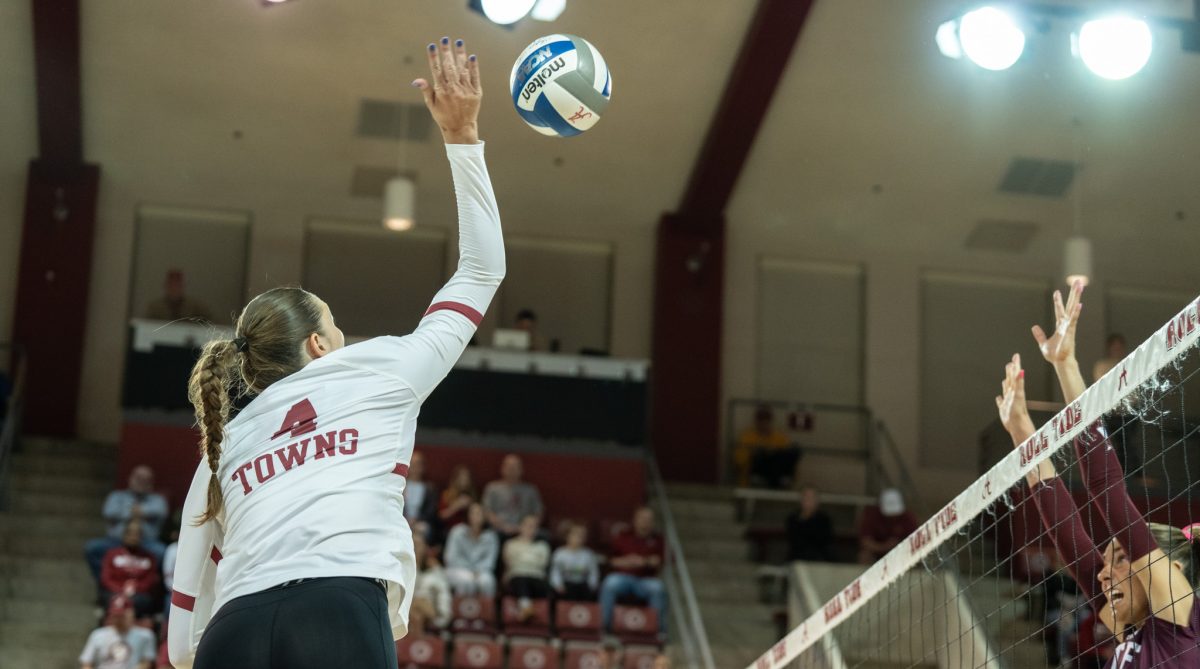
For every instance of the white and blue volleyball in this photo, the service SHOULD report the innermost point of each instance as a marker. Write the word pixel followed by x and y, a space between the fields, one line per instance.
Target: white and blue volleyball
pixel 560 85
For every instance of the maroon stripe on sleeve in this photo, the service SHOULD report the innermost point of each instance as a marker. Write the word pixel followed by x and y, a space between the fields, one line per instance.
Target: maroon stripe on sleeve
pixel 471 314
pixel 183 601
pixel 216 555
pixel 401 469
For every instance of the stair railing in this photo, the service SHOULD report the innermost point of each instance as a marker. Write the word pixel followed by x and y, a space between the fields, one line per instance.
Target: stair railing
pixel 12 422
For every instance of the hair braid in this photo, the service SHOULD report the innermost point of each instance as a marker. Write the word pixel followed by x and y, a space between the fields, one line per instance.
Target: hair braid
pixel 208 390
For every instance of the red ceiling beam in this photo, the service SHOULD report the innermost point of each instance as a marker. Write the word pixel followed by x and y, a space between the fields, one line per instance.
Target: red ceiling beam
pixel 764 56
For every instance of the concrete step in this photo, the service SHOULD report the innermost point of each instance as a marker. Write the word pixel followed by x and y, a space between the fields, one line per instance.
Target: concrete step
pixel 34 524
pixel 703 568
pixel 709 528
pixel 88 466
pixel 37 482
pixel 22 634
pixel 74 447
pixel 70 568
pixel 701 509
pixel 720 594
pixel 68 591
pixel 686 491
pixel 67 615
pixel 38 658
pixel 729 550
pixel 82 506
pixel 41 546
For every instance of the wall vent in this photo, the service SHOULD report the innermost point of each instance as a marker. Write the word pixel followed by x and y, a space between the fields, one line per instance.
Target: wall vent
pixel 384 119
pixel 1034 176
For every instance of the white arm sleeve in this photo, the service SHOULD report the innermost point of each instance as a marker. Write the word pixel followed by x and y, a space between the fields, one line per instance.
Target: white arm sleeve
pixel 422 359
pixel 195 574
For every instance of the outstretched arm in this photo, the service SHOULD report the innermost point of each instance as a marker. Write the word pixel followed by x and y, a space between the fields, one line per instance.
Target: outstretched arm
pixel 1169 592
pixel 195 573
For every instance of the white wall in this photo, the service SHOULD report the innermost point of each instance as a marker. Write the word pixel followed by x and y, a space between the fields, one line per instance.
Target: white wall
pixel 18 144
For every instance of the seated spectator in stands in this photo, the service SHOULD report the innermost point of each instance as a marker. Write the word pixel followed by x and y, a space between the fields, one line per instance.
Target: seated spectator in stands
pixel 174 304
pixel 139 502
pixel 527 321
pixel 574 570
pixel 662 661
pixel 637 560
pixel 120 644
pixel 809 529
pixel 431 593
pixel 471 552
pixel 507 501
pixel 764 455
pixel 131 572
pixel 884 526
pixel 1115 350
pixel 525 560
pixel 420 499
pixel 457 498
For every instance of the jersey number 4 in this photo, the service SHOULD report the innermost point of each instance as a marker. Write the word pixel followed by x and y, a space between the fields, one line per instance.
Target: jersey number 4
pixel 300 419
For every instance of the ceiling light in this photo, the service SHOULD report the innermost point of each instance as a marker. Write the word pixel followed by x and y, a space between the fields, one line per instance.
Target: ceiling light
pixel 505 12
pixel 1115 47
pixel 548 10
pixel 991 38
pixel 1077 260
pixel 399 204
pixel 947 40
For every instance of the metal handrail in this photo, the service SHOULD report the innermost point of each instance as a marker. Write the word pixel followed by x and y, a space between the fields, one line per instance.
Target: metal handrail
pixel 692 624
pixel 12 424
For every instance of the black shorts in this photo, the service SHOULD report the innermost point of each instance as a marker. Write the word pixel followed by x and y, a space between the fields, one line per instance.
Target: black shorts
pixel 315 624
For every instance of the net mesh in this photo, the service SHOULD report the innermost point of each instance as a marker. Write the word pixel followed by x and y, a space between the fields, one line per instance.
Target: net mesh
pixel 982 583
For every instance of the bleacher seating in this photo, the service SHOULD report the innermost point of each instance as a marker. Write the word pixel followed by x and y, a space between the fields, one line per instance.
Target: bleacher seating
pixel 425 653
pixel 537 625
pixel 639 657
pixel 530 654
pixel 474 615
pixel 577 621
pixel 477 652
pixel 635 624
pixel 583 656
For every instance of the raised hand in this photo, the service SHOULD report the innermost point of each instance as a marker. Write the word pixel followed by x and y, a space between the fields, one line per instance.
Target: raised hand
pixel 1059 348
pixel 453 92
pixel 1010 403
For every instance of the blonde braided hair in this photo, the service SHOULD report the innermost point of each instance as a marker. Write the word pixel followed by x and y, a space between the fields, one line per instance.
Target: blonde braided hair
pixel 208 390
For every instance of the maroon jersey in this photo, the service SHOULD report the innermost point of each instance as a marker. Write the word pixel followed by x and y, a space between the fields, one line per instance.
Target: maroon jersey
pixel 1161 644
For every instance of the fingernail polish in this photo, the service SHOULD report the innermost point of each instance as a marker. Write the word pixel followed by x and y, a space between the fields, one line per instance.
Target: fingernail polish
pixel 432 46
pixel 458 43
pixel 472 58
pixel 1021 374
pixel 445 40
pixel 415 85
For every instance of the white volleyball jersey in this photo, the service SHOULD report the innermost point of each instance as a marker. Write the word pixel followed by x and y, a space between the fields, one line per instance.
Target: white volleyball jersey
pixel 312 470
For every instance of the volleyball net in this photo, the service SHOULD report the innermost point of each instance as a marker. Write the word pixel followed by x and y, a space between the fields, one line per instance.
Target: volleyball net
pixel 980 583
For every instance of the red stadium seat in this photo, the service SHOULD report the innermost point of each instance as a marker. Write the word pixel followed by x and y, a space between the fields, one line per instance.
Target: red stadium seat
pixel 639 657
pixel 475 652
pixel 635 624
pixel 537 625
pixel 577 620
pixel 584 656
pixel 474 615
pixel 424 653
pixel 529 654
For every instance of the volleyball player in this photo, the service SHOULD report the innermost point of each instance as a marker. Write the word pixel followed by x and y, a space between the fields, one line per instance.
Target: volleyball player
pixel 294 528
pixel 1146 571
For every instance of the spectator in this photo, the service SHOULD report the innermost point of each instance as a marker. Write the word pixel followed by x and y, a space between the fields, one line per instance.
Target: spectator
pixel 431 593
pixel 574 571
pixel 637 559
pixel 420 500
pixel 120 644
pixel 809 530
pixel 884 526
pixel 139 502
pixel 525 561
pixel 457 498
pixel 662 661
pixel 1115 350
pixel 527 321
pixel 174 305
pixel 471 551
pixel 131 572
pixel 507 501
pixel 764 455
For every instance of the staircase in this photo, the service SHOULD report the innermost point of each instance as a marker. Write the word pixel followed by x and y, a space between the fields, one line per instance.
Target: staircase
pixel 739 627
pixel 47 595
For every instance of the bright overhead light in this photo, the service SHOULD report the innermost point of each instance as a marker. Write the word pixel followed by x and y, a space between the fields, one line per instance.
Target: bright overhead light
pixel 505 12
pixel 400 204
pixel 947 40
pixel 991 38
pixel 548 10
pixel 1115 47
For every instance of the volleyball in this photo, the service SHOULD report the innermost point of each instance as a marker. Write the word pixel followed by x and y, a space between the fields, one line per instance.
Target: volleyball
pixel 560 85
